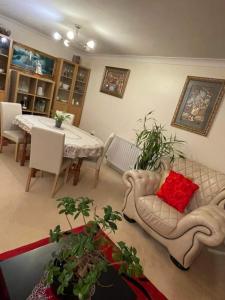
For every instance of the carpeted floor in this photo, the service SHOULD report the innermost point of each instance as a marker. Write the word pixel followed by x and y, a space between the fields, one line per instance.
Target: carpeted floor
pixel 27 217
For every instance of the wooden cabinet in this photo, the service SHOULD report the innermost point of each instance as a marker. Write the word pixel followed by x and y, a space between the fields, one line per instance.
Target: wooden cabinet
pixel 5 55
pixel 71 85
pixel 34 93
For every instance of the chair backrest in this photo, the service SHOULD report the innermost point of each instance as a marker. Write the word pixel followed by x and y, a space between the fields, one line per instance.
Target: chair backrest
pixel 210 182
pixel 106 147
pixel 68 121
pixel 8 112
pixel 47 147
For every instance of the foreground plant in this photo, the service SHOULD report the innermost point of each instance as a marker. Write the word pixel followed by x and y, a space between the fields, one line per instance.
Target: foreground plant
pixel 155 144
pixel 79 263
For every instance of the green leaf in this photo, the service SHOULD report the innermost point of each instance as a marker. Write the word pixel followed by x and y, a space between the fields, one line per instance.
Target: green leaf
pixel 154 145
pixel 55 234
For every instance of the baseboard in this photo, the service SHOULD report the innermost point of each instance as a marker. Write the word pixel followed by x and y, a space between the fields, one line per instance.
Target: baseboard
pixel 220 250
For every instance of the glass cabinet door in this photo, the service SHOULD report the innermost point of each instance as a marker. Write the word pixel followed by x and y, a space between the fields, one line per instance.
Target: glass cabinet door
pixel 80 86
pixel 4 55
pixel 65 83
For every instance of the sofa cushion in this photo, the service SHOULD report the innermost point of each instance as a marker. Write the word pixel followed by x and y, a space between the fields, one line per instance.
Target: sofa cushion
pixel 177 190
pixel 210 182
pixel 158 215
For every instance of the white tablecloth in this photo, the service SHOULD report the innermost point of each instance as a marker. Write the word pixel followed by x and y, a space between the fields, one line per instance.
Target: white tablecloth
pixel 78 143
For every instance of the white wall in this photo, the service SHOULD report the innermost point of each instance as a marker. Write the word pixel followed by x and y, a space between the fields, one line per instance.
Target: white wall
pixel 35 39
pixel 154 84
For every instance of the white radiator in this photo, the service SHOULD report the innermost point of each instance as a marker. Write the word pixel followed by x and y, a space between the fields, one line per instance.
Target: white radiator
pixel 122 155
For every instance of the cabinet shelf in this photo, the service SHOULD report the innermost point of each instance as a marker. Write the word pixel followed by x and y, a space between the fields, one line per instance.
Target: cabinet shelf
pixel 79 93
pixel 66 77
pixel 40 112
pixel 27 110
pixel 26 89
pixel 62 89
pixel 4 55
pixel 25 93
pixel 81 81
pixel 61 100
pixel 43 97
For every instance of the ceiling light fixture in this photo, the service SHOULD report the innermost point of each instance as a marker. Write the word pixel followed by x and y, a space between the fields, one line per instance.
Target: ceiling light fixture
pixel 66 43
pixel 91 44
pixel 74 35
pixel 70 35
pixel 4 40
pixel 57 36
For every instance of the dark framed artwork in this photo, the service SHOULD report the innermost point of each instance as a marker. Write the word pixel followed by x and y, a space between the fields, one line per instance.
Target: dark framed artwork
pixel 114 81
pixel 198 104
pixel 31 60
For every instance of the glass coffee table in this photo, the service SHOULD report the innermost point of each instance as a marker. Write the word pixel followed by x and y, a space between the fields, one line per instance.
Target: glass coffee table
pixel 20 274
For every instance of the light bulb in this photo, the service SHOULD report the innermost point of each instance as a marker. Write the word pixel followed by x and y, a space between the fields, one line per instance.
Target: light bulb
pixel 91 44
pixel 57 36
pixel 70 35
pixel 66 43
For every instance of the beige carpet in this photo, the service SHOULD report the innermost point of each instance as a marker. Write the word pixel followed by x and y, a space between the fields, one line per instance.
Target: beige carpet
pixel 27 217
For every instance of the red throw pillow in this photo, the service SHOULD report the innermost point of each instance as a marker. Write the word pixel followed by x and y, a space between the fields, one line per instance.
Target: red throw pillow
pixel 177 190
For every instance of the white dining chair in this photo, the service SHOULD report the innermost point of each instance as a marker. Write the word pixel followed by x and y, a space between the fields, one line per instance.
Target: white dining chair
pixel 47 148
pixel 68 121
pixel 8 112
pixel 96 163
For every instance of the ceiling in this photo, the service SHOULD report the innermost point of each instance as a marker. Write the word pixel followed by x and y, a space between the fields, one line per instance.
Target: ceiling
pixel 171 28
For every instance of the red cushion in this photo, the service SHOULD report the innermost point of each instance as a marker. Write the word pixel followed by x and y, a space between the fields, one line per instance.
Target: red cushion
pixel 177 190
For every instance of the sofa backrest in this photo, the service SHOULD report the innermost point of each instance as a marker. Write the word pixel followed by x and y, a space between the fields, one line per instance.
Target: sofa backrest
pixel 210 182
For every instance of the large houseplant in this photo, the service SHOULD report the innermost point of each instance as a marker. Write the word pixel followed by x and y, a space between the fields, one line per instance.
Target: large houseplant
pixel 154 145
pixel 79 262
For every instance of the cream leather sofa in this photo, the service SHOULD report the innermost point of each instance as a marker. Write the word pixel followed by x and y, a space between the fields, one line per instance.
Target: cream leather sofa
pixel 203 222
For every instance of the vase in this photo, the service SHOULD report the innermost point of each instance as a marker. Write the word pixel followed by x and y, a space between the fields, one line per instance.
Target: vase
pixel 58 123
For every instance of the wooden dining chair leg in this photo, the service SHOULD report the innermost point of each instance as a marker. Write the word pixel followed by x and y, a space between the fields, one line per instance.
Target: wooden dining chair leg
pixel 29 179
pixel 1 143
pixel 54 185
pixel 17 151
pixel 24 150
pixel 96 177
pixel 76 170
pixel 66 174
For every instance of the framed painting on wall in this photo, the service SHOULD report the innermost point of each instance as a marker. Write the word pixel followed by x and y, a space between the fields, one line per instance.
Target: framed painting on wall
pixel 114 81
pixel 198 104
pixel 32 60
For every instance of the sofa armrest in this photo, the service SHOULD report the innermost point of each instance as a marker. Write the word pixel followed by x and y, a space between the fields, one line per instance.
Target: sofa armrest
pixel 209 222
pixel 219 199
pixel 143 182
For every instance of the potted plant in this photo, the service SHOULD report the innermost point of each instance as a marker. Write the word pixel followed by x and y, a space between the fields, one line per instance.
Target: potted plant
pixel 59 118
pixel 154 144
pixel 79 263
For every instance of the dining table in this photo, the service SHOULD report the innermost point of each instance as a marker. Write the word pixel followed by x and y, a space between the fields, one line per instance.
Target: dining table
pixel 79 144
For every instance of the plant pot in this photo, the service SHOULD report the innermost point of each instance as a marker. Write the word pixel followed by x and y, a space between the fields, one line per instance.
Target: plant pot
pixel 58 123
pixel 69 292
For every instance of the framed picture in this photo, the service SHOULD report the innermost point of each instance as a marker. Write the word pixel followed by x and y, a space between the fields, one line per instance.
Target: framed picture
pixel 114 81
pixel 198 104
pixel 32 60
